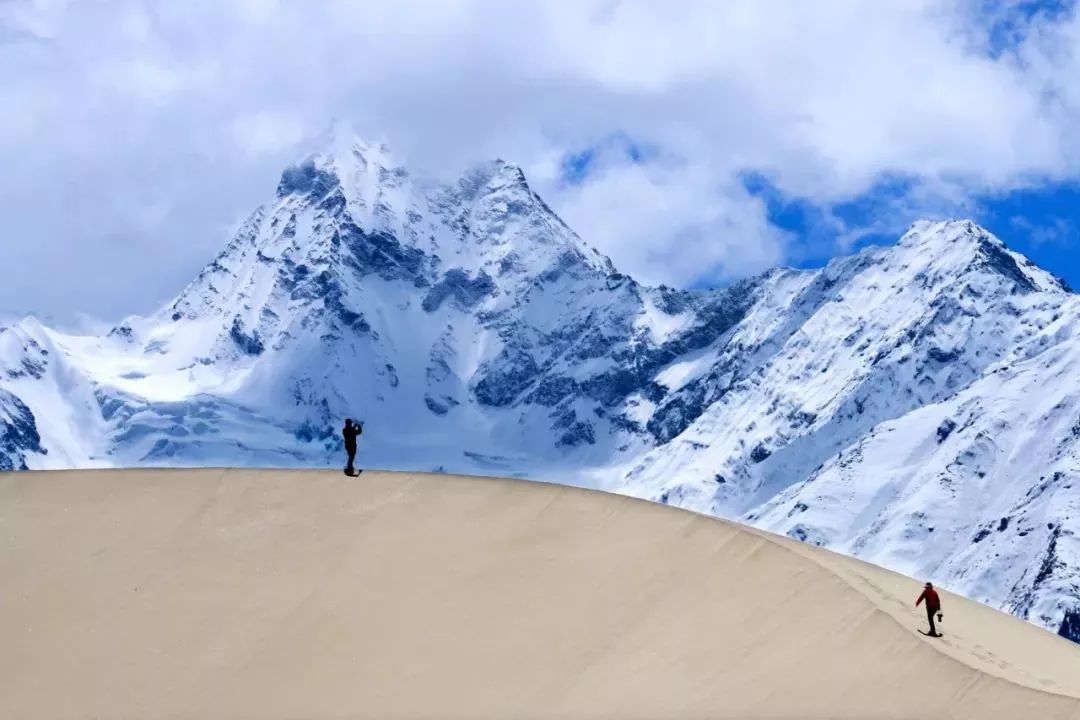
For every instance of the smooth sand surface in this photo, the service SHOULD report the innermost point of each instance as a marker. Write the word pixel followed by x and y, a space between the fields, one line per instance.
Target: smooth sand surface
pixel 282 594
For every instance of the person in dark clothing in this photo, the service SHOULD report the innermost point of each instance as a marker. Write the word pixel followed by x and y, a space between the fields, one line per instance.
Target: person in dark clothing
pixel 349 433
pixel 933 606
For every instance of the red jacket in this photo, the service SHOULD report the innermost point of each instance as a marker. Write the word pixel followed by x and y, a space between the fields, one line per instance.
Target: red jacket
pixel 933 602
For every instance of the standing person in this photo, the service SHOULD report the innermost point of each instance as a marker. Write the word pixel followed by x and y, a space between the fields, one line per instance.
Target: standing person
pixel 933 606
pixel 349 433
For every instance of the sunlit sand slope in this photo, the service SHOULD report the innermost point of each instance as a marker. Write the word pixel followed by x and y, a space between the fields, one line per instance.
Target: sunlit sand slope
pixel 284 594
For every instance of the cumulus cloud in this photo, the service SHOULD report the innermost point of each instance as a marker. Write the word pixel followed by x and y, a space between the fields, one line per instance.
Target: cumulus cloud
pixel 666 219
pixel 134 131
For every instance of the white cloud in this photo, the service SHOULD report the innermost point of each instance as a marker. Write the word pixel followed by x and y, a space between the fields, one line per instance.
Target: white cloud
pixel 265 132
pixel 190 109
pixel 667 220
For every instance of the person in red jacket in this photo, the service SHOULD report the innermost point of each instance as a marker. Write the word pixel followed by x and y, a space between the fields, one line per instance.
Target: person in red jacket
pixel 933 606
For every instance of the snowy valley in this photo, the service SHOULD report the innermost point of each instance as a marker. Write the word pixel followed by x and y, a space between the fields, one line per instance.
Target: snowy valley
pixel 914 405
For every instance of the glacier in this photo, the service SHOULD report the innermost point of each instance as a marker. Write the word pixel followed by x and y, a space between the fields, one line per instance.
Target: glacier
pixel 914 405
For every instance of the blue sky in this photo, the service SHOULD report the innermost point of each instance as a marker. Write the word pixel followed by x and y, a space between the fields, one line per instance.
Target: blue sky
pixel 1041 222
pixel 1039 219
pixel 693 142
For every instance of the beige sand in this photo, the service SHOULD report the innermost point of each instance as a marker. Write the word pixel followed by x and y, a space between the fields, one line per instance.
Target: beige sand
pixel 278 594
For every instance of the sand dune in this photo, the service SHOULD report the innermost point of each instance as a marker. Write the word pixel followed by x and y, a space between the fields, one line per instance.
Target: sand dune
pixel 283 594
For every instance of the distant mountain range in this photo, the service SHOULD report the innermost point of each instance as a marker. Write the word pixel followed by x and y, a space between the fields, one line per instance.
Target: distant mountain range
pixel 914 405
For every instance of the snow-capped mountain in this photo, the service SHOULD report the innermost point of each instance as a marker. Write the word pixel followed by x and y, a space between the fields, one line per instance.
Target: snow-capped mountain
pixel 977 488
pixel 833 353
pixel 465 322
pixel 911 404
pixel 915 406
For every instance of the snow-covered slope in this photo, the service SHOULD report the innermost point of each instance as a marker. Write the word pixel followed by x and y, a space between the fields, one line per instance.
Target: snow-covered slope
pixel 918 409
pixel 980 489
pixel 911 404
pixel 832 353
pixel 466 323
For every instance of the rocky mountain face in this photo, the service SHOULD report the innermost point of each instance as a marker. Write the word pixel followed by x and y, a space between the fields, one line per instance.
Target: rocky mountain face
pixel 913 405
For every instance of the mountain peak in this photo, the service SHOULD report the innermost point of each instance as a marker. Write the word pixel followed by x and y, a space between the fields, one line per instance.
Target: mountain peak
pixel 936 232
pixel 965 245
pixel 350 156
pixel 491 175
pixel 340 156
pixel 341 139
